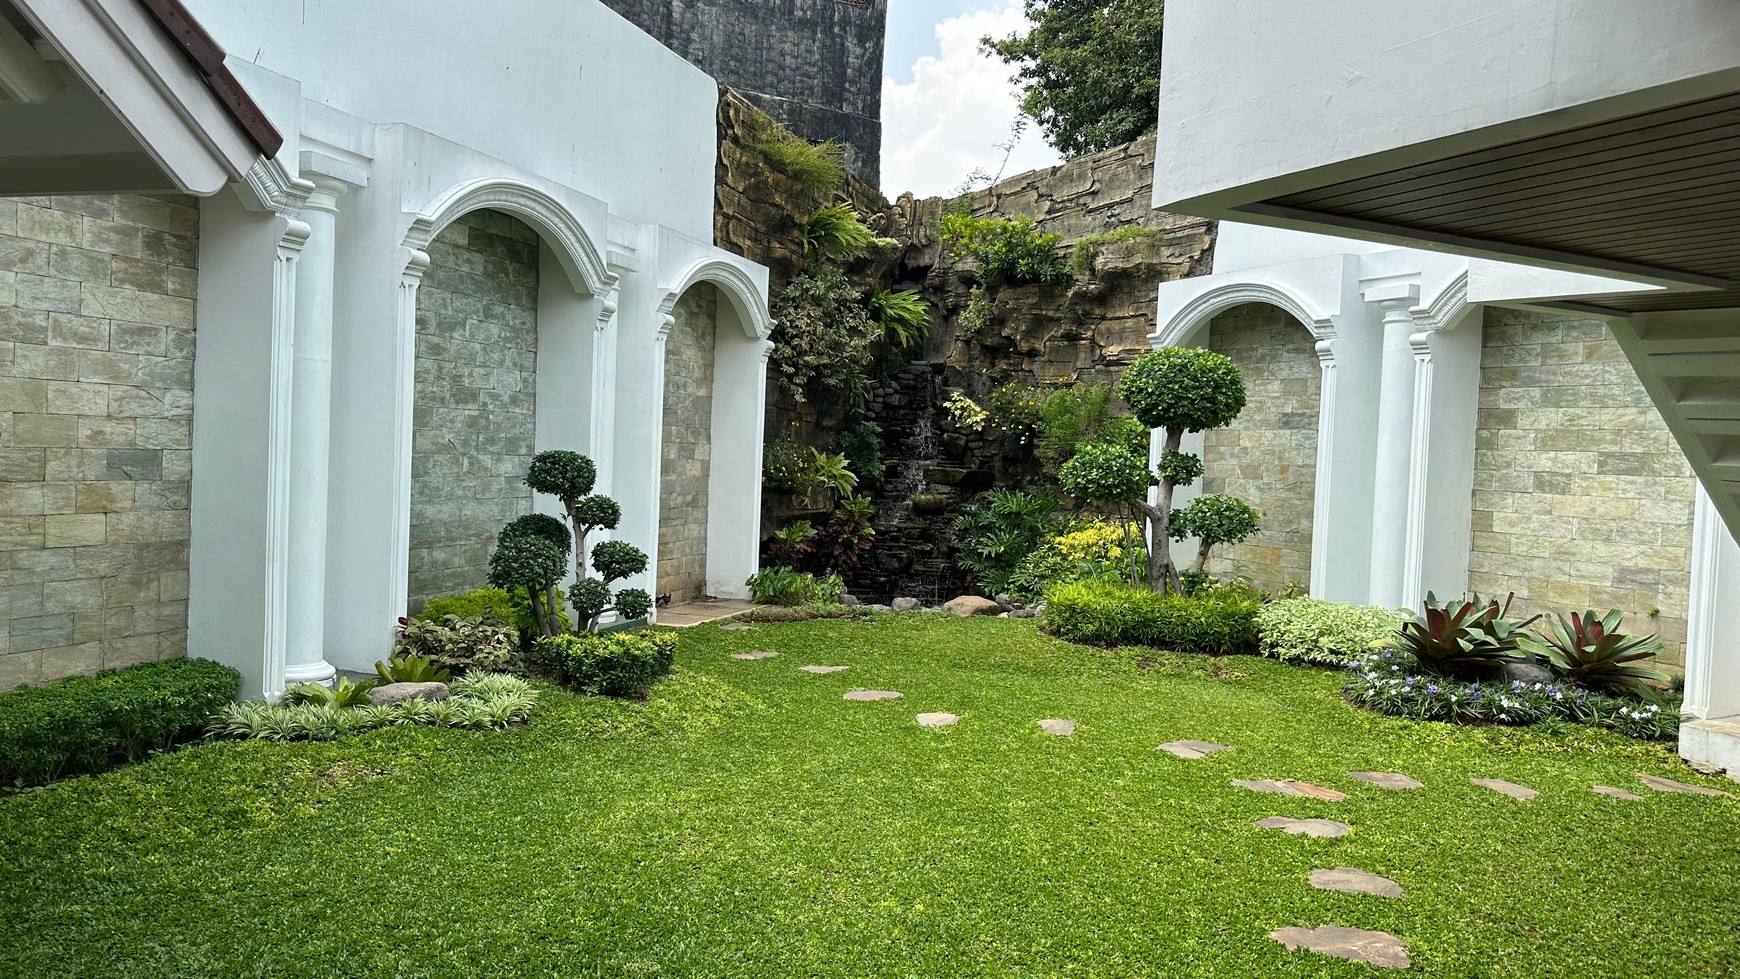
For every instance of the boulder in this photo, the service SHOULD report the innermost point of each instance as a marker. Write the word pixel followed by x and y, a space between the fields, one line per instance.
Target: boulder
pixel 1007 601
pixel 969 605
pixel 397 693
pixel 1521 671
pixel 1024 613
pixel 850 600
pixel 906 604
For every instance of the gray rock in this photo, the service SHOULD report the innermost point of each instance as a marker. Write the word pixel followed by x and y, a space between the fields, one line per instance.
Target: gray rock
pixel 1057 726
pixel 938 719
pixel 1321 828
pixel 878 608
pixel 1660 784
pixel 969 605
pixel 1024 613
pixel 824 669
pixel 904 604
pixel 1517 671
pixel 761 654
pixel 1520 793
pixel 1007 601
pixel 869 695
pixel 1387 780
pixel 1611 792
pixel 1191 750
pixel 1351 881
pixel 397 693
pixel 1371 947
pixel 850 600
pixel 1287 786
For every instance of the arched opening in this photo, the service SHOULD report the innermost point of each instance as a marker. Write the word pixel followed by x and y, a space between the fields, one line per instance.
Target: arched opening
pixel 475 401
pixel 685 471
pixel 1268 456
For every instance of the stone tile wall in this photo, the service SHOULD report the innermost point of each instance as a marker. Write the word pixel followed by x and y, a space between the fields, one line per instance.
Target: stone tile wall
pixel 688 446
pixel 96 410
pixel 1582 499
pixel 1268 455
pixel 476 371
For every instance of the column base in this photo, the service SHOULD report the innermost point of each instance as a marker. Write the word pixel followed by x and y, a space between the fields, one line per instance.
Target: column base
pixel 1712 744
pixel 319 671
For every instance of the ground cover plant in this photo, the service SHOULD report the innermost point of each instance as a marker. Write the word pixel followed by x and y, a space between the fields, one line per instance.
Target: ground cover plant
pixel 745 821
pixel 1311 630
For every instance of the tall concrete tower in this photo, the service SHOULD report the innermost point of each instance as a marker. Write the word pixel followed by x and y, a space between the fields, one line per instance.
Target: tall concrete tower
pixel 815 65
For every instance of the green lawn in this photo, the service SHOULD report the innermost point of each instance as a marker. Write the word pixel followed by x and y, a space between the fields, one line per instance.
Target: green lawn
pixel 749 822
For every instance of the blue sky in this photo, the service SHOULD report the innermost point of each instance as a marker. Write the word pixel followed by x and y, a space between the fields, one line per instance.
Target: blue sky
pixel 945 106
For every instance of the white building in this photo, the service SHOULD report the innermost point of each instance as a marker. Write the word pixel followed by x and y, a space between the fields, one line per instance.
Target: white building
pixel 1587 138
pixel 384 201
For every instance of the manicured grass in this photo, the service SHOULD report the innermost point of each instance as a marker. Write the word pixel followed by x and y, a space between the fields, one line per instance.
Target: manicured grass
pixel 749 822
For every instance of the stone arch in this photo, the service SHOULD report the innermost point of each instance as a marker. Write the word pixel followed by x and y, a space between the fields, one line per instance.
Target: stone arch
pixel 578 254
pixel 1183 326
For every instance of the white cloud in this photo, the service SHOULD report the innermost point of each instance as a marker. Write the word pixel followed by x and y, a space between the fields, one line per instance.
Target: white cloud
pixel 945 123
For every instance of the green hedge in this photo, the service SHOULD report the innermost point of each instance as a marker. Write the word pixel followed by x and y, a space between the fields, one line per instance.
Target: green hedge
pixel 90 723
pixel 1104 613
pixel 613 664
pixel 1317 631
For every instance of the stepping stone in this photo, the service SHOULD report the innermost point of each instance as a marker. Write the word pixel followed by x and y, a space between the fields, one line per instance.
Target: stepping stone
pixel 1520 793
pixel 1061 728
pixel 764 654
pixel 736 627
pixel 1191 750
pixel 1609 790
pixel 1350 881
pixel 1387 780
pixel 1320 828
pixel 1660 784
pixel 824 669
pixel 1377 948
pixel 868 695
pixel 1287 786
pixel 937 720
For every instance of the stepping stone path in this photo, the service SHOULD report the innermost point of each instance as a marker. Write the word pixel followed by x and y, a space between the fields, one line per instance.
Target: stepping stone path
pixel 868 695
pixel 1320 828
pixel 1351 881
pixel 1387 780
pixel 1520 793
pixel 1609 790
pixel 736 627
pixel 764 654
pixel 1660 784
pixel 1191 750
pixel 1287 786
pixel 1371 947
pixel 1061 728
pixel 937 720
pixel 824 669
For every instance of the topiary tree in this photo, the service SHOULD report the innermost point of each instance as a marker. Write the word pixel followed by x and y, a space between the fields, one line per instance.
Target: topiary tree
pixel 527 559
pixel 1178 390
pixel 1214 520
pixel 570 478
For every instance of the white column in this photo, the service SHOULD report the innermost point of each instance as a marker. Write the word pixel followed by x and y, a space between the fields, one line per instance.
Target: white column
pixel 1395 437
pixel 310 437
pixel 1713 617
pixel 1323 492
pixel 601 441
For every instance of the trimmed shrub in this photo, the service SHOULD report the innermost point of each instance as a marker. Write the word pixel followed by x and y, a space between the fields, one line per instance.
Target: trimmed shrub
pixel 1311 630
pixel 91 723
pixel 787 586
pixel 1105 613
pixel 611 664
pixel 460 645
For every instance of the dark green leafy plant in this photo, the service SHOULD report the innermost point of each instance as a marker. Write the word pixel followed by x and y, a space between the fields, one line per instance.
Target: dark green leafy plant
pixel 837 233
pixel 500 607
pixel 824 337
pixel 1106 613
pixel 792 544
pixel 789 586
pixel 1593 653
pixel 615 664
pixel 861 444
pixel 1006 250
pixel 850 533
pixel 904 315
pixel 345 693
pixel 529 562
pixel 411 668
pixel 1214 520
pixel 1079 414
pixel 525 546
pixel 1466 637
pixel 996 532
pixel 90 723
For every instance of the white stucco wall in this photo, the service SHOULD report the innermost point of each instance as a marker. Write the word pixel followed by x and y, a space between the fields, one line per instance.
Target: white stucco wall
pixel 1254 90
pixel 568 90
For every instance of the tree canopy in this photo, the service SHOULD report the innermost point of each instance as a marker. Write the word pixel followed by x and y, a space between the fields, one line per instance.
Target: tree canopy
pixel 1089 70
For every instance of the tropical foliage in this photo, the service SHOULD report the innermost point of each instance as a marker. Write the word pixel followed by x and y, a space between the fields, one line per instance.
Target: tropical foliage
pixel 1595 654
pixel 1010 251
pixel 999 529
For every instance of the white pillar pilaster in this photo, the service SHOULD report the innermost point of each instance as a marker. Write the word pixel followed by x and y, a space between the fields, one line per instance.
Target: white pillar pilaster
pixel 310 437
pixel 1713 617
pixel 1395 437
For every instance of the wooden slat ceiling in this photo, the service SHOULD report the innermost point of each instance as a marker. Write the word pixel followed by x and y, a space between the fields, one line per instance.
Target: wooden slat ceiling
pixel 1659 190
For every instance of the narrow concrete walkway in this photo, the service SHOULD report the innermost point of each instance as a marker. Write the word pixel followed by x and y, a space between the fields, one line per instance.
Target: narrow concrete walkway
pixel 695 613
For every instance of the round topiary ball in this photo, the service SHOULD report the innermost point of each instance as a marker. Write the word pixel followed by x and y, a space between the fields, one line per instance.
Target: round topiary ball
pixel 633 603
pixel 1186 389
pixel 614 559
pixel 1104 472
pixel 598 511
pixel 1217 519
pixel 544 526
pixel 589 598
pixel 526 561
pixel 565 475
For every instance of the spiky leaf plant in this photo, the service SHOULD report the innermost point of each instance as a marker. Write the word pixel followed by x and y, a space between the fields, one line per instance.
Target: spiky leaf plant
pixel 1595 654
pixel 1465 637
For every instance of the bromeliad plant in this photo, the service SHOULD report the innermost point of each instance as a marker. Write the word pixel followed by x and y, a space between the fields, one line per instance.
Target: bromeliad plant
pixel 1593 653
pixel 1466 637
